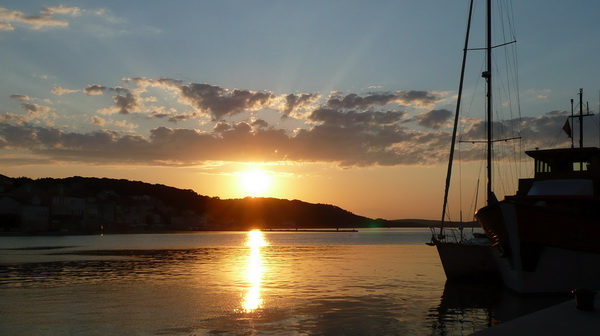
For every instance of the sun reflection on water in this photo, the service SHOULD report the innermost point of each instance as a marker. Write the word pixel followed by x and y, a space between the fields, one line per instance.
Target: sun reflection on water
pixel 254 271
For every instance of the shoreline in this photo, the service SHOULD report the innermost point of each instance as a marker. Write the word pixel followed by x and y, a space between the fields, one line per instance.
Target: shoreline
pixel 324 229
pixel 310 230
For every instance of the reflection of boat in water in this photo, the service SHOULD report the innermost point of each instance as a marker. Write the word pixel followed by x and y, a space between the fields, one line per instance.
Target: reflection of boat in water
pixel 468 258
pixel 545 237
pixel 467 307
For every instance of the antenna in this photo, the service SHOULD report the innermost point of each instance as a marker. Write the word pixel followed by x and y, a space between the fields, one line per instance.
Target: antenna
pixel 580 117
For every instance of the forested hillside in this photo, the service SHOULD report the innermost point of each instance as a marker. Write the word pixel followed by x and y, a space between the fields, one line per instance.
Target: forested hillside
pixel 82 205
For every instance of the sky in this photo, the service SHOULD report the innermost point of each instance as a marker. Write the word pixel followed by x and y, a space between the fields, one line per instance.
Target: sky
pixel 348 103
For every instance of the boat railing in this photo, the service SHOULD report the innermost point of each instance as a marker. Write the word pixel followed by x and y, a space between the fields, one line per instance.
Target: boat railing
pixel 456 234
pixel 447 235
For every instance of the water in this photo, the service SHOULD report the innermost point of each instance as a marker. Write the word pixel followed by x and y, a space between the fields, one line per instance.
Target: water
pixel 372 282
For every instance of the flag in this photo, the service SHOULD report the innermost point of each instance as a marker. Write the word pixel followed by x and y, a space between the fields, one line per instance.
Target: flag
pixel 567 128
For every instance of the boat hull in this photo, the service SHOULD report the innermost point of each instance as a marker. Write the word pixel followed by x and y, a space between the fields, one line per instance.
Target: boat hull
pixel 542 249
pixel 467 262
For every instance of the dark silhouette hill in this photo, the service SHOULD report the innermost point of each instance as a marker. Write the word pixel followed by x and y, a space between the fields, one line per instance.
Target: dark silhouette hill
pixel 86 204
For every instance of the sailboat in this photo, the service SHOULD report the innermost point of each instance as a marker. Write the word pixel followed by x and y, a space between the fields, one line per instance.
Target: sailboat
pixel 545 237
pixel 468 258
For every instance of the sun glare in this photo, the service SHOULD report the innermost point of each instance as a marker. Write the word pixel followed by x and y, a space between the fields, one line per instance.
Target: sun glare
pixel 256 239
pixel 255 182
pixel 254 271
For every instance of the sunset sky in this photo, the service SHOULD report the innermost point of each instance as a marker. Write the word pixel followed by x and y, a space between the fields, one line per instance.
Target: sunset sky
pixel 340 102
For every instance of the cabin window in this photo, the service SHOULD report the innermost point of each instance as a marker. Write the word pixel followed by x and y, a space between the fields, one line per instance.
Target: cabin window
pixel 580 166
pixel 542 167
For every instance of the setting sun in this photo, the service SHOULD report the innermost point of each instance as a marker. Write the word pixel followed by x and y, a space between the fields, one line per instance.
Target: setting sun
pixel 255 182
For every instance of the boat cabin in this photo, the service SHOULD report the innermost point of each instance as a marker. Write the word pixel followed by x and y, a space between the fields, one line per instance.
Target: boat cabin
pixel 565 171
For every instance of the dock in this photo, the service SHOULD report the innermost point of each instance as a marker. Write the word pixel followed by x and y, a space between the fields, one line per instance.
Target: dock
pixel 562 319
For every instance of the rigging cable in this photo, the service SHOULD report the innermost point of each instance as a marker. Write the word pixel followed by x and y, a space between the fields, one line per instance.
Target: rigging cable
pixel 506 97
pixel 456 118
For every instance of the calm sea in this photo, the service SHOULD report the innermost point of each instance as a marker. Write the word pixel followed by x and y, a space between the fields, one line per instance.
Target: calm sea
pixel 371 282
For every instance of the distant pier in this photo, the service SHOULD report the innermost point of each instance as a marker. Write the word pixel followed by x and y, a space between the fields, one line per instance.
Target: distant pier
pixel 310 230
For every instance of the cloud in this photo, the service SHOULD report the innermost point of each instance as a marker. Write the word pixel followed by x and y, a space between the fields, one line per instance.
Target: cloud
pixel 45 19
pixel 126 103
pixel 349 129
pixel 20 97
pixel 120 124
pixel 260 123
pixel 174 118
pixel 57 90
pixel 229 142
pixel 17 136
pixel 12 118
pixel 35 108
pixel 71 11
pixel 171 115
pixel 128 126
pixel 6 26
pixel 342 138
pixel 354 101
pixel 220 102
pixel 348 138
pixel 157 82
pixel 98 121
pixel 538 94
pixel 418 98
pixel 94 89
pixel 434 119
pixel 536 132
pixel 221 127
pixel 39 22
pixel 547 129
pixel 298 101
pixel 125 100
pixel 349 118
pixel 343 129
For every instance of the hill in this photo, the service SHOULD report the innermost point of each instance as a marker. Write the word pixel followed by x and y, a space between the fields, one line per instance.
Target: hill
pixel 85 205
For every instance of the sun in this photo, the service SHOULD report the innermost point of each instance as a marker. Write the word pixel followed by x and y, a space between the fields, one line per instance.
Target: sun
pixel 255 182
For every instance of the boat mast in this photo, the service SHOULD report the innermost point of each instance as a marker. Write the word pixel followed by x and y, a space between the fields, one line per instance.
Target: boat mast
pixel 572 121
pixel 488 77
pixel 580 118
pixel 456 118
